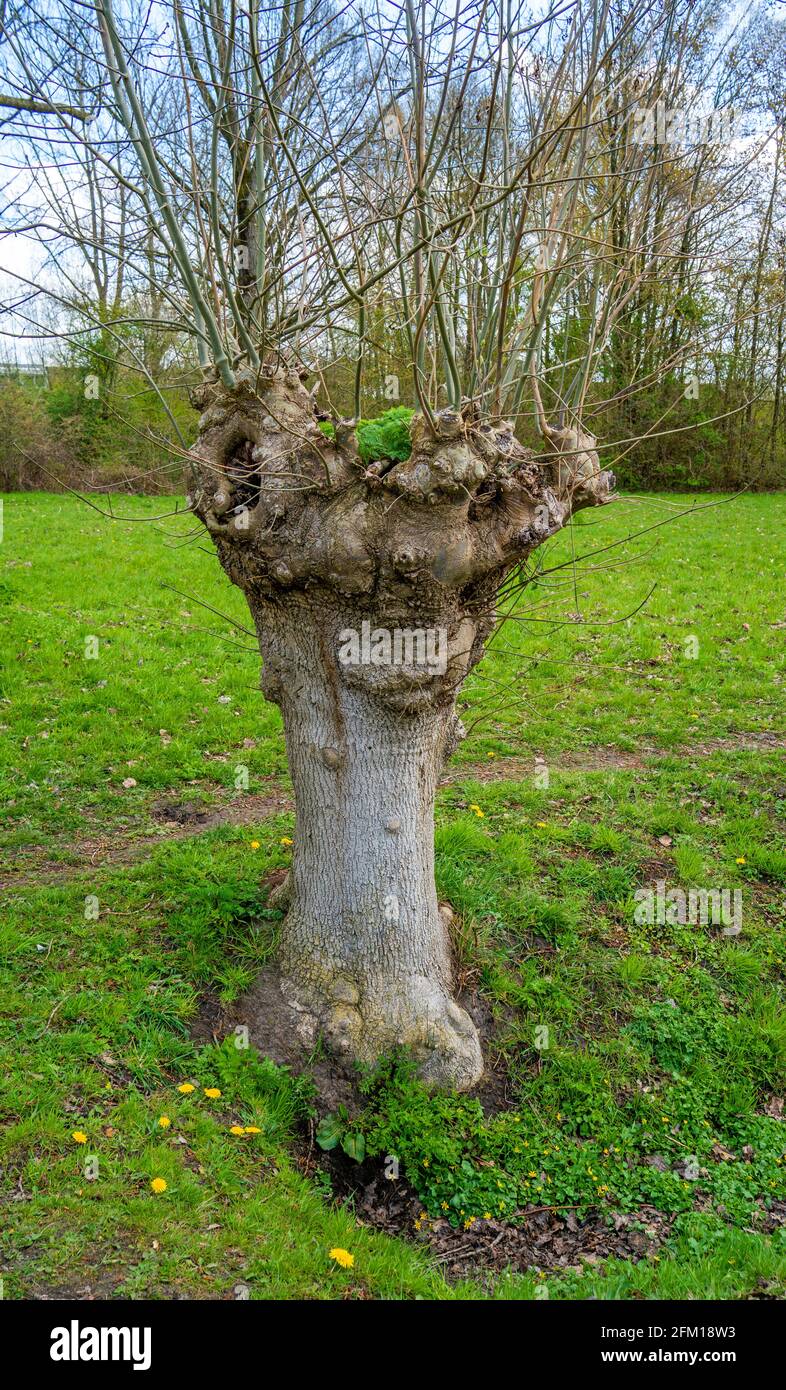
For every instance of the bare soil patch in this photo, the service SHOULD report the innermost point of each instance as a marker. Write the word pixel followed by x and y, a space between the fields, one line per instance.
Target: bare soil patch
pixel 172 820
pixel 503 769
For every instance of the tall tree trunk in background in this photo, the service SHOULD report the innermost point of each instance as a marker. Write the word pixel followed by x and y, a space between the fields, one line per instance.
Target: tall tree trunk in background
pixel 731 423
pixel 778 389
pixel 761 257
pixel 372 590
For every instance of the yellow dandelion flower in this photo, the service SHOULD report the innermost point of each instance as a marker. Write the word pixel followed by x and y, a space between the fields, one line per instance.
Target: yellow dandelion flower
pixel 236 1129
pixel 158 1184
pixel 542 824
pixel 255 844
pixel 286 841
pixel 741 859
pixel 487 1216
pixel 186 1088
pixel 212 1092
pixel 253 1129
pixel 477 811
pixel 342 1257
pixel 79 1137
pixel 164 1121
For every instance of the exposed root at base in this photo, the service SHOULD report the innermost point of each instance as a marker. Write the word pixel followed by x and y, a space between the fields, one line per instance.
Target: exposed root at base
pixel 416 1015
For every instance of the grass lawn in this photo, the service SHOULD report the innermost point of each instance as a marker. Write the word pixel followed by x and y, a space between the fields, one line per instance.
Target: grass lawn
pixel 144 793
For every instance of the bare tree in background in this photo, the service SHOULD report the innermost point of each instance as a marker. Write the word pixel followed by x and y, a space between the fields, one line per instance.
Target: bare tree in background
pixel 465 169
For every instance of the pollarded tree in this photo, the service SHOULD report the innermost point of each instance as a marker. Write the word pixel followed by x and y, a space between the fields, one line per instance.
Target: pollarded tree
pixel 323 155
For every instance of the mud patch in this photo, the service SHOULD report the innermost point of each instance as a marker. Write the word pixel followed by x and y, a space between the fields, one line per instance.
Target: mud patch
pixel 611 759
pixel 268 1018
pixel 245 810
pixel 178 813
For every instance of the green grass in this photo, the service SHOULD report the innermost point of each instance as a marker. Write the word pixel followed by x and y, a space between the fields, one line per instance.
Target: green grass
pixel 623 1041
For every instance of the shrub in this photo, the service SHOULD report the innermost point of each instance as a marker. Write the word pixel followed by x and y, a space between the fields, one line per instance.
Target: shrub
pixel 387 437
pixel 24 425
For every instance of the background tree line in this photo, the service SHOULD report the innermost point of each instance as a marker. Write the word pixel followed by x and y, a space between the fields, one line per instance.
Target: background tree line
pixel 682 390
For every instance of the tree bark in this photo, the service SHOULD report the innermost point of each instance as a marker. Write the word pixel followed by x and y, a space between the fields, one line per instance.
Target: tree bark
pixel 365 953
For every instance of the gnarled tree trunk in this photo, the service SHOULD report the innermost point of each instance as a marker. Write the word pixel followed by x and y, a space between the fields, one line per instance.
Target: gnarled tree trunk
pixel 372 590
pixel 364 950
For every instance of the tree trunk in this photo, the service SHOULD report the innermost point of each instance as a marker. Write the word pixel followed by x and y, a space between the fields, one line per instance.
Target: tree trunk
pixel 372 590
pixel 365 952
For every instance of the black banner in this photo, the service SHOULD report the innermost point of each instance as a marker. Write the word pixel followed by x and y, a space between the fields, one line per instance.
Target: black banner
pixel 235 1340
